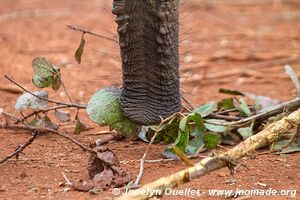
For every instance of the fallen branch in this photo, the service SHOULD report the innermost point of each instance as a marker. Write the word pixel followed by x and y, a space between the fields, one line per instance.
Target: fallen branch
pixel 44 111
pixel 261 139
pixel 48 100
pixel 43 130
pixel 19 149
pixel 105 140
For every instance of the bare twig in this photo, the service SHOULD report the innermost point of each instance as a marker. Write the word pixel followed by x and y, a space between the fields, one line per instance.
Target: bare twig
pixel 20 148
pixel 225 117
pixel 8 115
pixel 44 111
pixel 92 33
pixel 165 159
pixel 49 100
pixel 68 182
pixel 43 130
pixel 65 88
pixel 104 132
pixel 107 139
pixel 142 161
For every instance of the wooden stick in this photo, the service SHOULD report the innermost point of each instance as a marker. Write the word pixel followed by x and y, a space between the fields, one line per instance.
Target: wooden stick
pixel 261 139
pixel 20 148
pixel 43 130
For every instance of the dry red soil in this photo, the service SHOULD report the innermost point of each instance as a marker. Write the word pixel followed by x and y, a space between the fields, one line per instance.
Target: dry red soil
pixel 222 44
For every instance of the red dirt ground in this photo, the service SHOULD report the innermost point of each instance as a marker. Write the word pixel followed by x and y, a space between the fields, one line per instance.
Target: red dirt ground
pixel 217 37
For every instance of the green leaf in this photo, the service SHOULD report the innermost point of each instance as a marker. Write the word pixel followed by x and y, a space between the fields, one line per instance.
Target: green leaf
pixel 246 132
pixel 42 67
pixel 183 138
pixel 79 126
pixel 143 133
pixel 196 117
pixel 33 122
pixel 42 82
pixel 211 140
pixel 127 128
pixel 294 77
pixel 27 100
pixel 167 132
pixel 227 139
pixel 216 128
pixel 56 83
pixel 293 147
pixel 231 92
pixel 182 123
pixel 206 109
pixel 79 51
pixel 226 104
pixel 43 122
pixel 170 131
pixel 243 107
pixel 196 142
pixel 45 74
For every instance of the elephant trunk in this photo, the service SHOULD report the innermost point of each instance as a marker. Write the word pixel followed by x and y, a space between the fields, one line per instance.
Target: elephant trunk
pixel 148 39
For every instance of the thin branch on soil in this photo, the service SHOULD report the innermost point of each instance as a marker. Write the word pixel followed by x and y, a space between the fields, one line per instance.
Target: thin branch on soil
pixel 68 182
pixel 92 33
pixel 49 100
pixel 105 132
pixel 20 148
pixel 165 159
pixel 9 115
pixel 108 139
pixel 44 130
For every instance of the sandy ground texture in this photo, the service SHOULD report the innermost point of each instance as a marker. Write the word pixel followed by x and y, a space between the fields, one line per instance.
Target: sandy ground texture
pixel 240 45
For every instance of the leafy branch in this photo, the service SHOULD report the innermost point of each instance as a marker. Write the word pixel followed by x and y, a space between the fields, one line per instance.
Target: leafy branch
pixel 46 99
pixel 208 164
